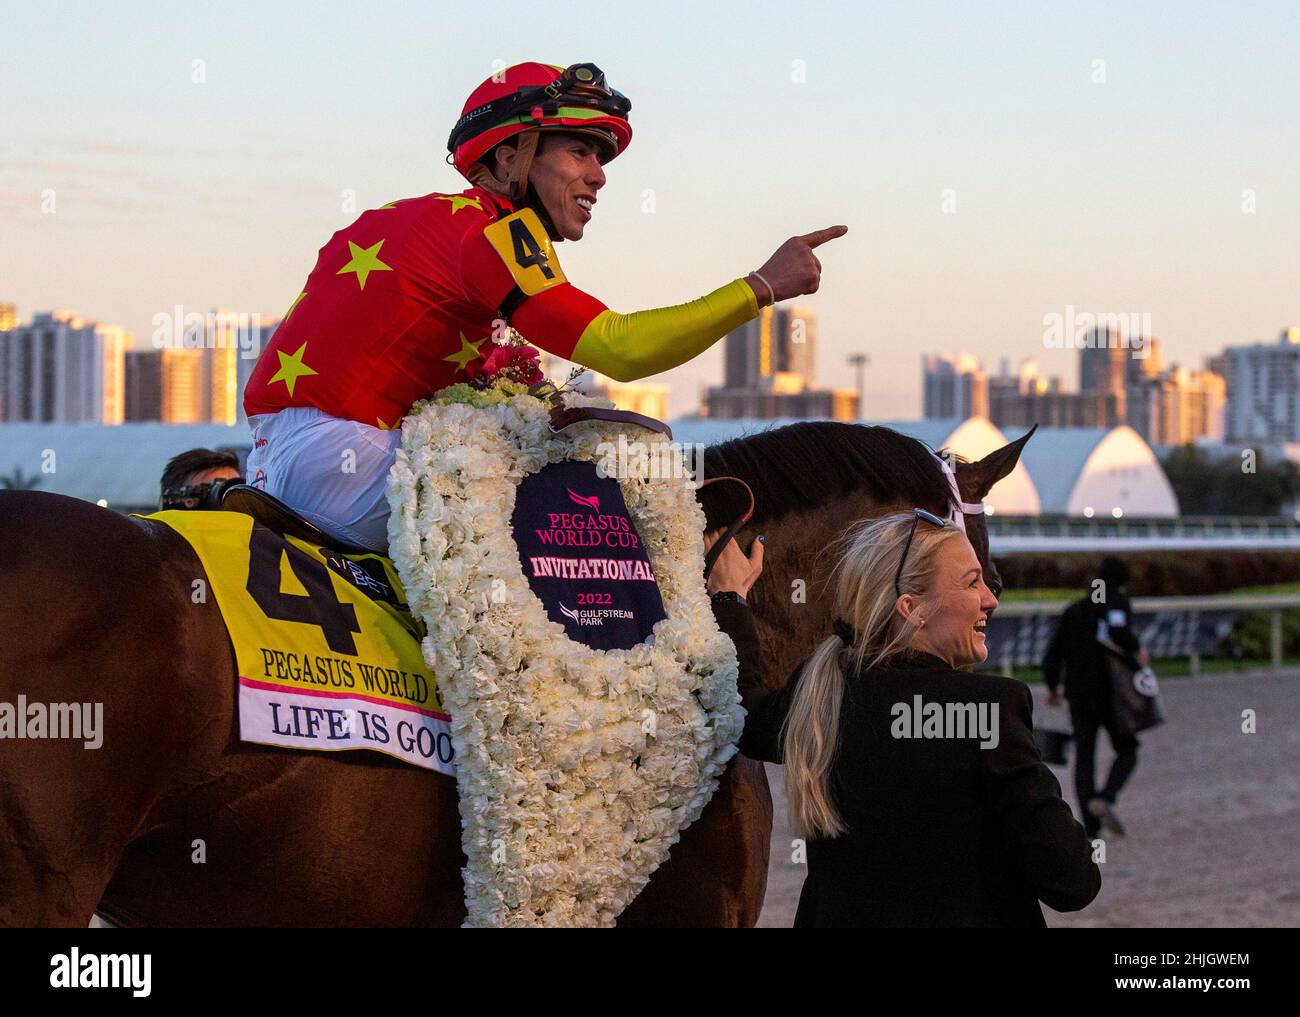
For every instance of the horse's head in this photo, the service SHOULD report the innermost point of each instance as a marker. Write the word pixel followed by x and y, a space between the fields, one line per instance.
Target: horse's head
pixel 974 481
pixel 811 481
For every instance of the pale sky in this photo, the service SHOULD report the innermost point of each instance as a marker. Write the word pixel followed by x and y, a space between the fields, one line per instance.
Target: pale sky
pixel 753 121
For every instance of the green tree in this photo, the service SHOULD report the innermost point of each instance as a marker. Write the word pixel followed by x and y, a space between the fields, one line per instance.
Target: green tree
pixel 1221 485
pixel 18 481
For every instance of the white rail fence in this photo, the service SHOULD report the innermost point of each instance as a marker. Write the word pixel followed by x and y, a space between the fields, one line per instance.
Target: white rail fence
pixel 1189 627
pixel 1012 534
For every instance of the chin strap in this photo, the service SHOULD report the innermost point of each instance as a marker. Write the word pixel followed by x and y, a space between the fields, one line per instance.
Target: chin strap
pixel 480 176
pixel 518 179
pixel 535 203
pixel 515 188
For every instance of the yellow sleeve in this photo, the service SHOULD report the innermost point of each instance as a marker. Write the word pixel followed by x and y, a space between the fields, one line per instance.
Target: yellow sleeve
pixel 630 346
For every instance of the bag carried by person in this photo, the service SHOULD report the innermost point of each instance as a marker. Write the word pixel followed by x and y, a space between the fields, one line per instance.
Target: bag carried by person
pixel 1135 693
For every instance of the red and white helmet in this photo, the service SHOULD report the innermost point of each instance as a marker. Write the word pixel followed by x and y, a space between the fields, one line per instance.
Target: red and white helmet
pixel 538 97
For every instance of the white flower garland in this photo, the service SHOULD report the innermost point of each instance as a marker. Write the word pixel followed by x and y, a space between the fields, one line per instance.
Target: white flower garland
pixel 577 768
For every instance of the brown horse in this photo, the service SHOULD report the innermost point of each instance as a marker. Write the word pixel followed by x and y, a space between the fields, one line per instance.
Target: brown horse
pixel 175 822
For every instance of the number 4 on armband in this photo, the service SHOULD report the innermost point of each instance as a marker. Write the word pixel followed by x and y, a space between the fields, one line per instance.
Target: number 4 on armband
pixel 528 251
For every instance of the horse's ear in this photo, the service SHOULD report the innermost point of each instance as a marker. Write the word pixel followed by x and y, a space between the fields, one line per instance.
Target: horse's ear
pixel 977 479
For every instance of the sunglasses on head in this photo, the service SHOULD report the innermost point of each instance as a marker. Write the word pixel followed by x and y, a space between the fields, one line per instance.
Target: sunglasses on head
pixel 917 516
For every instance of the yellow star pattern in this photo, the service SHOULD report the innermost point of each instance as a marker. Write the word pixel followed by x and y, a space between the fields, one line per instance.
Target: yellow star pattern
pixel 459 201
pixel 296 302
pixel 291 368
pixel 383 426
pixel 364 261
pixel 468 351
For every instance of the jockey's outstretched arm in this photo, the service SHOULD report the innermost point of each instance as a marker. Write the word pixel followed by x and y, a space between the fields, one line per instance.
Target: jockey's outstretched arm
pixel 512 265
pixel 627 347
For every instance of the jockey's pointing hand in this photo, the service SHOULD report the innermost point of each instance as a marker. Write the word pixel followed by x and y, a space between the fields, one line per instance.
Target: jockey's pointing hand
pixel 734 570
pixel 794 270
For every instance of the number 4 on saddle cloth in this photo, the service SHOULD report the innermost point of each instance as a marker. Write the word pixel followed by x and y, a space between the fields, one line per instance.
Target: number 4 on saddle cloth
pixel 327 650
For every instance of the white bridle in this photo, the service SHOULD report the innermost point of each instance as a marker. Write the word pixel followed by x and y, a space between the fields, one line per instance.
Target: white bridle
pixel 964 508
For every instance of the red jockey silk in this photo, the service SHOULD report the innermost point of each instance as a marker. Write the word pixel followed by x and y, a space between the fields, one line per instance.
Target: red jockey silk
pixel 404 298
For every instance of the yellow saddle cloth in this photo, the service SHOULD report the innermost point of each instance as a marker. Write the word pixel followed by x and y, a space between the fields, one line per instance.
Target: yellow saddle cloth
pixel 328 652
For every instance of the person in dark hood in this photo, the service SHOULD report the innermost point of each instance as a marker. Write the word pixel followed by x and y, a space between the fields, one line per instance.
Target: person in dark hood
pixel 1078 649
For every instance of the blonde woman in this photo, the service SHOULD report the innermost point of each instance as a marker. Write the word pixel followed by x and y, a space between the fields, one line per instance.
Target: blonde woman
pixel 914 781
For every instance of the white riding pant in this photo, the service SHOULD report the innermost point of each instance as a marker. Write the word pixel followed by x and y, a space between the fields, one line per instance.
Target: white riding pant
pixel 332 471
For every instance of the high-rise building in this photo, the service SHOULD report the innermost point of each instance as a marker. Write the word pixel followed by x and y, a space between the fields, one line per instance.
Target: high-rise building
pixel 1264 390
pixel 205 365
pixel 144 385
pixel 1177 406
pixel 182 386
pixel 1103 375
pixel 780 340
pixel 1150 365
pixel 953 385
pixel 1025 397
pixel 647 398
pixel 1122 381
pixel 224 338
pixel 8 320
pixel 769 364
pixel 63 368
pixel 1201 400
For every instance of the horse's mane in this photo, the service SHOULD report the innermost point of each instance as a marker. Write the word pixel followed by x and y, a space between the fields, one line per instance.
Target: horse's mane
pixel 811 463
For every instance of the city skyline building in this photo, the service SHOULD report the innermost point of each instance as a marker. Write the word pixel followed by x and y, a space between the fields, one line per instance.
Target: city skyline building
pixel 1165 405
pixel 1263 400
pixel 953 385
pixel 144 386
pixel 63 368
pixel 769 366
pixel 228 344
pixel 650 399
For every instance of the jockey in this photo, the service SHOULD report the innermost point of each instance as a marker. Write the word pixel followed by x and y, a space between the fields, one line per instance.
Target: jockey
pixel 409 298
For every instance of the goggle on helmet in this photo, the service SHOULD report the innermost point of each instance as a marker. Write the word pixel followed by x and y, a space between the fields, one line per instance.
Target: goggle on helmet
pixel 576 99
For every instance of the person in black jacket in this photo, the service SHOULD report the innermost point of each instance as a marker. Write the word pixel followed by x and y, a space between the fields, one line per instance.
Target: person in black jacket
pixel 1103 614
pixel 915 783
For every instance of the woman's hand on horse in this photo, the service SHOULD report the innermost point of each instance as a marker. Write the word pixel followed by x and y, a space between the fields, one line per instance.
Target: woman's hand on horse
pixel 794 270
pixel 734 571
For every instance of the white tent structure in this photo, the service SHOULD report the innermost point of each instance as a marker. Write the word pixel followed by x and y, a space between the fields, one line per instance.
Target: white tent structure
pixel 972 438
pixel 1098 472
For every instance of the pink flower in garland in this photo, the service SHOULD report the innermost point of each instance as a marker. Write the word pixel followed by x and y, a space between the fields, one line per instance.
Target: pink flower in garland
pixel 513 363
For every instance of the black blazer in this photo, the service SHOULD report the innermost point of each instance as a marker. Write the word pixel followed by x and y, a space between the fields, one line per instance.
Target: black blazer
pixel 941 832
